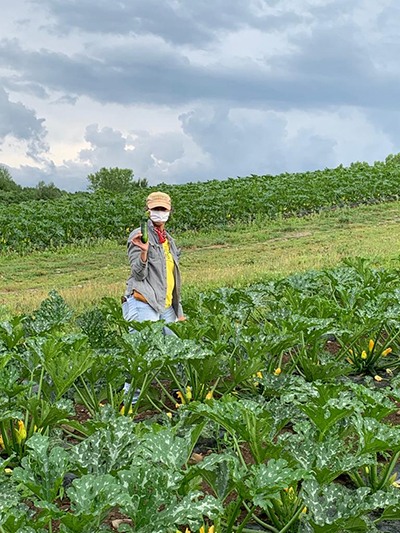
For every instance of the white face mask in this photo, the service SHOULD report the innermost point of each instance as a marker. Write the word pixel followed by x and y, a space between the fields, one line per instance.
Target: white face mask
pixel 159 216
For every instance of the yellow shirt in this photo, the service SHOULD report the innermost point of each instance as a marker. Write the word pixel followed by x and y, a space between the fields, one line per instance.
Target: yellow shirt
pixel 170 274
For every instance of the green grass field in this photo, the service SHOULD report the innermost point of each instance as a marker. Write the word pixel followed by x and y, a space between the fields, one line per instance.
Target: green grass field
pixel 235 256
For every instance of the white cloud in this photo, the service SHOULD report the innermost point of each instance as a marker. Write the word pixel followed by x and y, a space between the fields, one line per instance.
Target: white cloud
pixel 217 142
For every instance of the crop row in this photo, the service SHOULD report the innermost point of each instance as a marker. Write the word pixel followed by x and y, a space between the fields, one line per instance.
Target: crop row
pixel 270 409
pixel 84 217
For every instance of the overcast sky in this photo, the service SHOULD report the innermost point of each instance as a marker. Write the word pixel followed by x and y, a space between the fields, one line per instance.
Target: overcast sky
pixel 186 90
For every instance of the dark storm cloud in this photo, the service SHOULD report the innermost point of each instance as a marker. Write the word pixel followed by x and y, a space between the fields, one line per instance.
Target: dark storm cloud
pixel 20 122
pixel 179 21
pixel 331 67
pixel 328 67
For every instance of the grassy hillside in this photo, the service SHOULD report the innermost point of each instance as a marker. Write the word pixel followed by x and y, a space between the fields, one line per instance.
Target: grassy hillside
pixel 235 255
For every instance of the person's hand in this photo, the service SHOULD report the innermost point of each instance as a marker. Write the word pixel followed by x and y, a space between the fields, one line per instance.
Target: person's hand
pixel 181 319
pixel 137 241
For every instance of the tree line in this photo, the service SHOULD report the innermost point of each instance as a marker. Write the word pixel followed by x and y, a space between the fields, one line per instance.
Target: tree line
pixel 118 180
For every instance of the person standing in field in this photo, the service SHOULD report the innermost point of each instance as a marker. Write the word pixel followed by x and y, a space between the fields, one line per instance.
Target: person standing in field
pixel 153 290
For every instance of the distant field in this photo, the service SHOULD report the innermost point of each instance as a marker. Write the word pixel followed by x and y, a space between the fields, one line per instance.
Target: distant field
pixel 84 218
pixel 233 256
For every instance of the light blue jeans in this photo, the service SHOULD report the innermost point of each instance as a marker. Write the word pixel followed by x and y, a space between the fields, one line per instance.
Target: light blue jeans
pixel 134 309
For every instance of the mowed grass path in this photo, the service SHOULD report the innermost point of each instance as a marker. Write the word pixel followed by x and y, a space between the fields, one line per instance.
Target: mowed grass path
pixel 234 256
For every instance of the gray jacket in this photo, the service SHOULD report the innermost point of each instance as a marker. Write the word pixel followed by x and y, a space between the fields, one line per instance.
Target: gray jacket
pixel 150 278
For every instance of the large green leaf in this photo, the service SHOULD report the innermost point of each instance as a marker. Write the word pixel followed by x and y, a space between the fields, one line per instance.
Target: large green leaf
pixel 166 448
pixel 65 359
pixel 265 481
pixel 45 414
pixel 375 403
pixel 375 436
pixel 52 313
pixel 326 460
pixel 329 406
pixel 94 494
pixel 333 503
pixel 217 470
pixel 109 449
pixel 12 332
pixel 43 469
pixel 247 419
pixel 154 507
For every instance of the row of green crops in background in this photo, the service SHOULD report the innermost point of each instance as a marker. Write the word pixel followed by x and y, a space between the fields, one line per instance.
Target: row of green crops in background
pixel 84 217
pixel 280 420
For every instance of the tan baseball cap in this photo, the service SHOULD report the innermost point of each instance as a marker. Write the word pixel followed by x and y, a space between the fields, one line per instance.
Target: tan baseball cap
pixel 158 199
